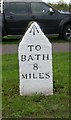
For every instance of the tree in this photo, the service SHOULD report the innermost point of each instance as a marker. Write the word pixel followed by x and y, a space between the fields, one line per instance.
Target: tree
pixel 70 6
pixel 61 5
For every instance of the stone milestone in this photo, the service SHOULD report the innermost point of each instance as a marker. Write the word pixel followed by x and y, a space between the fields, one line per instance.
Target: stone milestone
pixel 35 62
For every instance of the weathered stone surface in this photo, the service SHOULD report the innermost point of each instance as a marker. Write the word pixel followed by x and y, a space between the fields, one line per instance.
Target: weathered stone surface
pixel 35 63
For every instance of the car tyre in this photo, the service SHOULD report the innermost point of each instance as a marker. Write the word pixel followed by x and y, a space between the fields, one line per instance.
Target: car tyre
pixel 67 32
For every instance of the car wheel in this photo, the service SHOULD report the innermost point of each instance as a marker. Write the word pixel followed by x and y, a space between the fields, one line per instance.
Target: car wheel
pixel 67 32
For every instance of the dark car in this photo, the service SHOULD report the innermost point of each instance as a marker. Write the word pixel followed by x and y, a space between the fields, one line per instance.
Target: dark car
pixel 17 14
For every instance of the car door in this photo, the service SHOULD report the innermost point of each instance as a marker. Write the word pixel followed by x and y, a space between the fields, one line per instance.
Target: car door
pixel 47 21
pixel 16 17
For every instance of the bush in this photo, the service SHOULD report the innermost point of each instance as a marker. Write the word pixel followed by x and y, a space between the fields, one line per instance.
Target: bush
pixel 61 6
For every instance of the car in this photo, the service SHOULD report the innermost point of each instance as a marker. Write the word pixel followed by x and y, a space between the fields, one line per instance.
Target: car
pixel 16 15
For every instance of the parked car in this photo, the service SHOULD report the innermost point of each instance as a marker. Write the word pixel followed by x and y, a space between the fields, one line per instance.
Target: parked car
pixel 64 11
pixel 16 14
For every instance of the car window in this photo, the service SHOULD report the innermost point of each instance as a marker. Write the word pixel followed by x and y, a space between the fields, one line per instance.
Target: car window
pixel 0 7
pixel 18 8
pixel 38 8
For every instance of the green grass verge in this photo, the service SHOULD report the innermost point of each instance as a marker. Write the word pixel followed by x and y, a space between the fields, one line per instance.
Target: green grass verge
pixel 11 40
pixel 56 106
pixel 0 86
pixel 16 40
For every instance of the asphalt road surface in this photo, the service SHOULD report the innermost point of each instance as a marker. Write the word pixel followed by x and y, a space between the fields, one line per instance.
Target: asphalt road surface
pixel 13 48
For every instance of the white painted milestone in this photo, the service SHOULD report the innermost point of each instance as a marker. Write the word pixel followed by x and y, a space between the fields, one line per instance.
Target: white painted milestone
pixel 35 62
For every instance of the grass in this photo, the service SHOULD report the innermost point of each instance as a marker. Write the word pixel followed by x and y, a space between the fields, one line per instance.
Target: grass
pixel 11 40
pixel 0 86
pixel 56 106
pixel 16 40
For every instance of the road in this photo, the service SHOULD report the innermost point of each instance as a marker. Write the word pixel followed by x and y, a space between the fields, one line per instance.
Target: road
pixel 13 48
